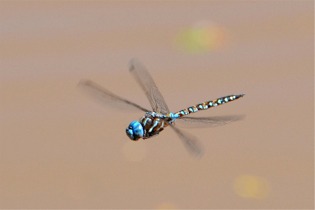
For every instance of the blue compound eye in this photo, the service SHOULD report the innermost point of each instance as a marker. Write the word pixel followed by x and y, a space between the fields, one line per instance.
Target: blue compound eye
pixel 135 130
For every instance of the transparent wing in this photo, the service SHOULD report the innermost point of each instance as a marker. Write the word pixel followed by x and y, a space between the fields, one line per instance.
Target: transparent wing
pixel 214 121
pixel 106 96
pixel 149 87
pixel 190 142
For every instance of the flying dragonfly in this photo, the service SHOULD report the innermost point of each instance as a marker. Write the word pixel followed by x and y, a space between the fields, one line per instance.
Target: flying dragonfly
pixel 154 121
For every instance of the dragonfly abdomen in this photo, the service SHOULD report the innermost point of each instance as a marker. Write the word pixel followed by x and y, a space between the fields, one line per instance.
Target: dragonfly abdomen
pixel 208 104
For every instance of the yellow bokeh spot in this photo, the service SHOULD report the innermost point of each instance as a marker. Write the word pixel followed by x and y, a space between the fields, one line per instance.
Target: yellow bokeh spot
pixel 201 38
pixel 248 186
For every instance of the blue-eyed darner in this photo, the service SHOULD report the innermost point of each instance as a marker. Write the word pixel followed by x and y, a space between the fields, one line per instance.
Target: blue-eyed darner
pixel 153 122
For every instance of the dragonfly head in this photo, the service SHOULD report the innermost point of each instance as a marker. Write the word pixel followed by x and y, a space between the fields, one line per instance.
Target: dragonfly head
pixel 135 130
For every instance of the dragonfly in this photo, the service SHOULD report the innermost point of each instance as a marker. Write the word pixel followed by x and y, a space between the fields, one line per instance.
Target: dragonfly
pixel 156 120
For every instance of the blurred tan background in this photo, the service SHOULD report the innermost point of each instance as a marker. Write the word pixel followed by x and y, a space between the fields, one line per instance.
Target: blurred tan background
pixel 60 149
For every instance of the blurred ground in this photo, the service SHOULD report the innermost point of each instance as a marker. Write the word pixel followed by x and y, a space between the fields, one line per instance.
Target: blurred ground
pixel 60 149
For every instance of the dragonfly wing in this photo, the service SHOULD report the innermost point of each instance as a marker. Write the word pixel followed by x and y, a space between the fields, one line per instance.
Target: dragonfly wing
pixel 190 142
pixel 149 87
pixel 208 121
pixel 106 96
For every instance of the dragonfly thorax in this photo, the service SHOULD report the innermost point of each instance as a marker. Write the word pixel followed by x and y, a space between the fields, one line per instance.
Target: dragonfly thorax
pixel 150 124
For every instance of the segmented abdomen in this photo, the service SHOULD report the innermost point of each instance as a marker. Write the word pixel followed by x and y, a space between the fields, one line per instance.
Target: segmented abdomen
pixel 208 104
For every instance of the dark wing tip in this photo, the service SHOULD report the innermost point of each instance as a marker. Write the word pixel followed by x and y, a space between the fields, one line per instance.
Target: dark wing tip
pixel 84 83
pixel 132 63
